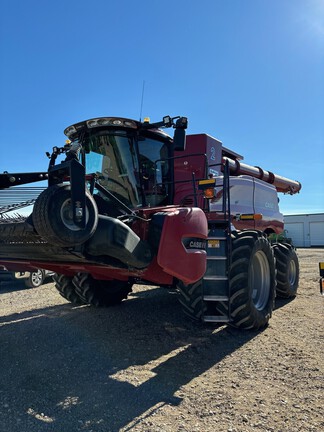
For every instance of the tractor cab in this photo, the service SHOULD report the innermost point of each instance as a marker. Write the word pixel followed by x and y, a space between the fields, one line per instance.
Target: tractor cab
pixel 130 160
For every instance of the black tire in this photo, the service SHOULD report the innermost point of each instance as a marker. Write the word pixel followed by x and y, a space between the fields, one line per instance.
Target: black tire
pixel 66 288
pixel 100 293
pixel 35 279
pixel 287 266
pixel 191 299
pixel 53 220
pixel 252 279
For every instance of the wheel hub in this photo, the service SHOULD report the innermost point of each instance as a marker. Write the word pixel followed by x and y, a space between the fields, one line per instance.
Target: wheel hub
pixel 67 216
pixel 37 277
pixel 260 280
pixel 292 272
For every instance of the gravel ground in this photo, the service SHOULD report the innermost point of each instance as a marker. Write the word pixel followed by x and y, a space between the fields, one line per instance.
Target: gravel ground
pixel 143 366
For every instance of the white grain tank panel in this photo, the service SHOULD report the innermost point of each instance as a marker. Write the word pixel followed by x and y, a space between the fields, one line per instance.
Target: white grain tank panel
pixel 266 201
pixel 241 195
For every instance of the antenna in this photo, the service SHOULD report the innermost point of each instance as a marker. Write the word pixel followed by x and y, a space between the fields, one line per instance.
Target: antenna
pixel 143 87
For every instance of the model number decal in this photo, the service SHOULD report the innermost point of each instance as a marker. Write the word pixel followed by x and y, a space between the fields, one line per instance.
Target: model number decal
pixel 213 244
pixel 212 153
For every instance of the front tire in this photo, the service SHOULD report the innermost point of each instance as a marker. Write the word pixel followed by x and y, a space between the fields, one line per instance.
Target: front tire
pixel 252 279
pixel 287 270
pixel 191 299
pixel 53 217
pixel 252 284
pixel 100 293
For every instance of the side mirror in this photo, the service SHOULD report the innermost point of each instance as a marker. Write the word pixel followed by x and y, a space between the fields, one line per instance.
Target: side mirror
pixel 179 138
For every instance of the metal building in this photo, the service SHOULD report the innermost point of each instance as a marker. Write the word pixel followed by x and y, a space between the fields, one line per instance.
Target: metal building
pixel 305 230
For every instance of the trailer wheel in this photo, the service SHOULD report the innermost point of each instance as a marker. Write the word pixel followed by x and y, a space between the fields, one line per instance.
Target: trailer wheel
pixel 53 218
pixel 252 279
pixel 100 293
pixel 191 299
pixel 35 279
pixel 287 266
pixel 65 287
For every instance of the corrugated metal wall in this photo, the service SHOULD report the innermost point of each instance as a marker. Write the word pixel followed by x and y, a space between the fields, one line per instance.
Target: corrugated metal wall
pixel 306 230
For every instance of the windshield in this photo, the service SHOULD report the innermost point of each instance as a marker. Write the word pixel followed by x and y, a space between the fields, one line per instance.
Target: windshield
pixel 135 171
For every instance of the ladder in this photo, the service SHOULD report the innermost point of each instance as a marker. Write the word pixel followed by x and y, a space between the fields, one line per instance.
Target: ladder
pixel 215 282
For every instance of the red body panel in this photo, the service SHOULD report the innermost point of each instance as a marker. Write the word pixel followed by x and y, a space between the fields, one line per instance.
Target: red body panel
pixel 186 264
pixel 202 151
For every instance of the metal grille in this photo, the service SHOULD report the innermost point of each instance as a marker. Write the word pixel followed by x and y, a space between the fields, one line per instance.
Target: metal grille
pixel 15 198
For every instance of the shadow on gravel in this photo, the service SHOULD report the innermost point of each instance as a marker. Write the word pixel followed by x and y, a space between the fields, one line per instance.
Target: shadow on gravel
pixel 281 302
pixel 17 285
pixel 68 369
pixel 10 286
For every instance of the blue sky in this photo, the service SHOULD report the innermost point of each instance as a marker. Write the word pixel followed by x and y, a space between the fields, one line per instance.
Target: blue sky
pixel 248 72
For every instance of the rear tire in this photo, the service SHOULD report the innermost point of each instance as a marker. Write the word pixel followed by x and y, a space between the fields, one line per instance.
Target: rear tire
pixel 287 266
pixel 53 217
pixel 252 279
pixel 66 288
pixel 100 292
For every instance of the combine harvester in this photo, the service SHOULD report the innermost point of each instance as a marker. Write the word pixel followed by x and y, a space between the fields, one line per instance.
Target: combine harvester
pixel 129 204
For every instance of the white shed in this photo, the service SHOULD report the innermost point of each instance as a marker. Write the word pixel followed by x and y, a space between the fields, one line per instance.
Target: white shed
pixel 306 230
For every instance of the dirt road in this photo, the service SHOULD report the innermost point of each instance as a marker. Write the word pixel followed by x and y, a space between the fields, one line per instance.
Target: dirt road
pixel 143 366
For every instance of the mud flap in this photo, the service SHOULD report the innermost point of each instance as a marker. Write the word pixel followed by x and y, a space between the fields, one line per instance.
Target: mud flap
pixel 182 248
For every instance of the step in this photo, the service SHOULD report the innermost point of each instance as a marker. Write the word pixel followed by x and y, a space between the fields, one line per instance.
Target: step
pixel 215 318
pixel 214 287
pixel 215 298
pixel 216 238
pixel 216 278
pixel 216 266
pixel 218 222
pixel 216 257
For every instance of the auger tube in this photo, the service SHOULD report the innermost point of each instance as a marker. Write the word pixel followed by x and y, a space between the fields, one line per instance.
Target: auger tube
pixel 282 184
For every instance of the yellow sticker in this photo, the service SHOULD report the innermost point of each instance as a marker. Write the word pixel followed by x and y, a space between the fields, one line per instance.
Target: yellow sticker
pixel 213 243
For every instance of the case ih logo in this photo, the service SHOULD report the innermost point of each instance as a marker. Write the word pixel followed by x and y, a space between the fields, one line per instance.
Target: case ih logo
pixel 194 243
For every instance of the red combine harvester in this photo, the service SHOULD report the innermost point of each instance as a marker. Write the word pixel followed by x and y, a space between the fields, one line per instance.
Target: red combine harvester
pixel 129 204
